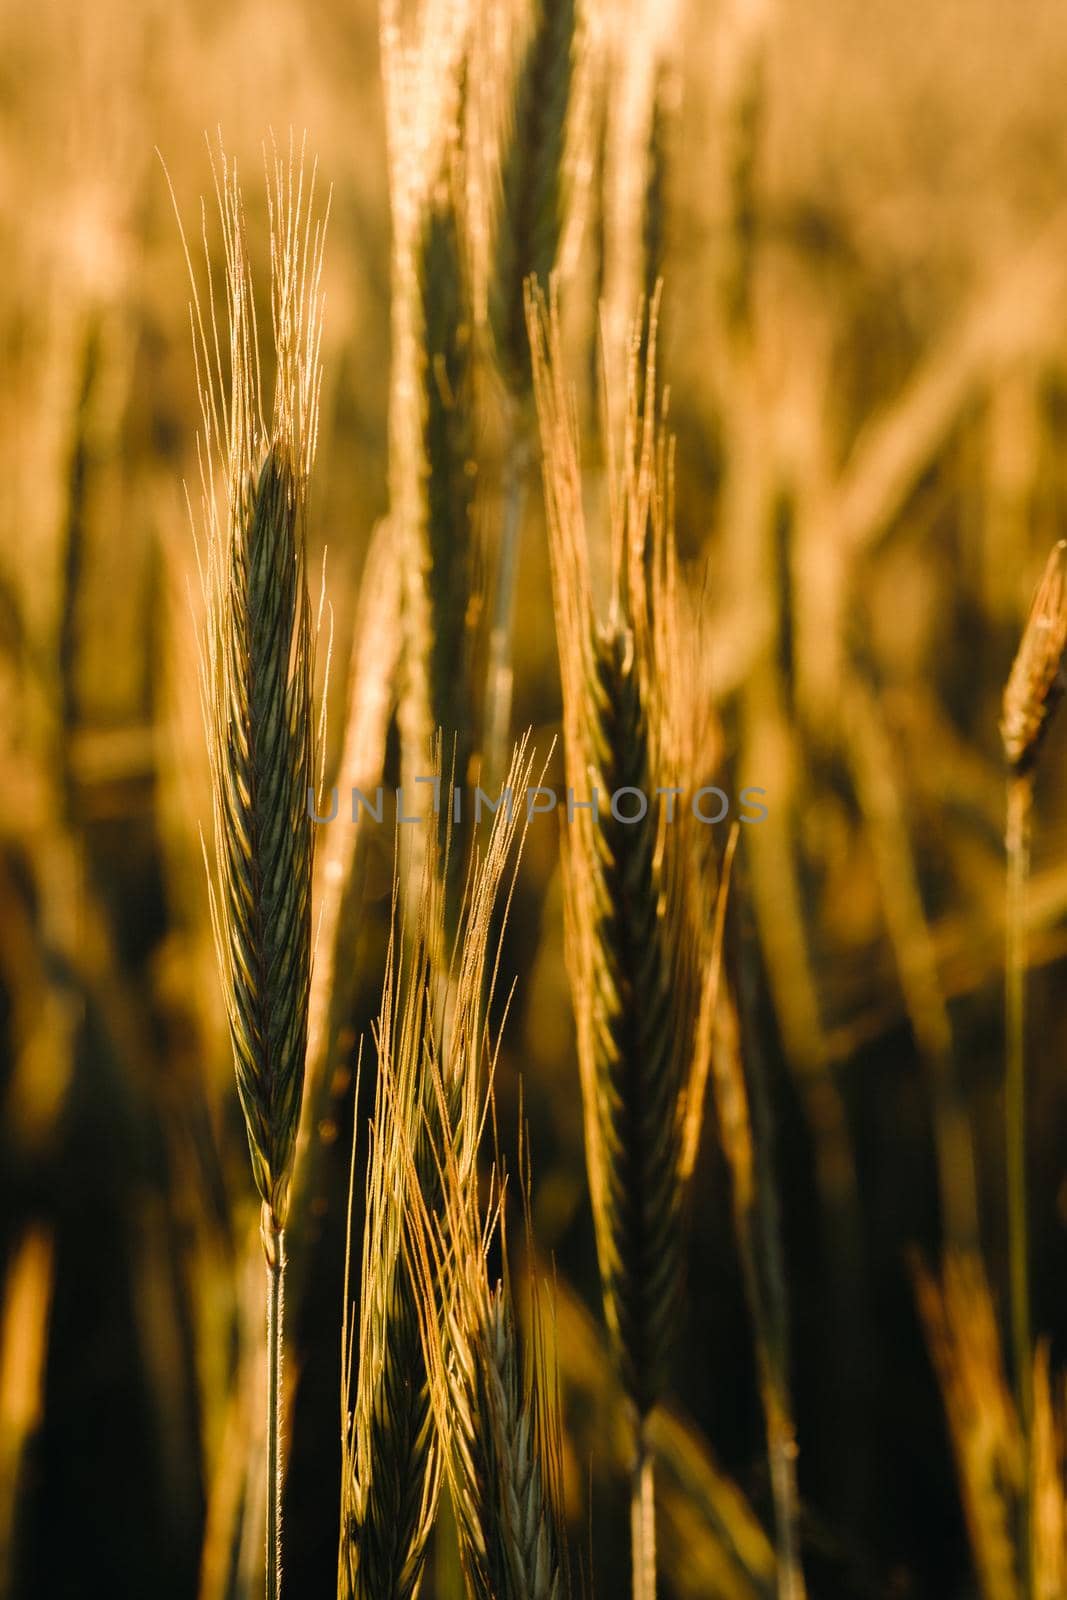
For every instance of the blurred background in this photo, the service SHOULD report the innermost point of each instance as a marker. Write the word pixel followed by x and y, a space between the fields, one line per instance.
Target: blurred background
pixel 863 237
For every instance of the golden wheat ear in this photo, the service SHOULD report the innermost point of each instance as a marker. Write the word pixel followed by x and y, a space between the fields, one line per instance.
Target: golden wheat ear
pixel 1038 677
pixel 640 896
pixel 961 1330
pixel 455 558
pixel 494 1401
pixel 257 672
pixel 530 209
pixel 494 1398
pixel 390 1470
pixel 429 1033
pixel 1014 1488
pixel 257 661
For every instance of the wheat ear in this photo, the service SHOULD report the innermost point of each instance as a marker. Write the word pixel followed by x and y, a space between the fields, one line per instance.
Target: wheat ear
pixel 432 1009
pixel 257 684
pixel 496 1407
pixel 422 57
pixel 530 210
pixel 390 1466
pixel 495 1413
pixel 638 891
pixel 455 558
pixel 1014 1495
pixel 527 229
pixel 961 1329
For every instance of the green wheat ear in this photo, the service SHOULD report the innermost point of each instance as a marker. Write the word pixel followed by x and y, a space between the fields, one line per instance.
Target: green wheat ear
pixel 257 666
pixel 493 1400
pixel 438 985
pixel 262 759
pixel 530 216
pixel 640 896
pixel 257 670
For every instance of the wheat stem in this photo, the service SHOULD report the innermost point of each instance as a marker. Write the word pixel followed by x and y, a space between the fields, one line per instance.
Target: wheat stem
pixel 782 1455
pixel 1017 841
pixel 1034 688
pixel 643 1521
pixel 274 1255
pixel 1020 805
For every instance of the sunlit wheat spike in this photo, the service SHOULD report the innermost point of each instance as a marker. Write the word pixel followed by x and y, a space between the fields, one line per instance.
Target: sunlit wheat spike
pixel 448 435
pixel 1037 679
pixel 455 565
pixel 1017 1528
pixel 257 679
pixel 637 1062
pixel 390 1467
pixel 529 218
pixel 495 1405
pixel 258 662
pixel 961 1329
pixel 504 1487
pixel 423 63
pixel 640 896
pixel 494 1401
pixel 637 896
pixel 428 1043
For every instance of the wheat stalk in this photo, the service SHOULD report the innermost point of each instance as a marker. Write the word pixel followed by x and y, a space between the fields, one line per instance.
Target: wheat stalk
pixel 1034 688
pixel 639 895
pixel 257 666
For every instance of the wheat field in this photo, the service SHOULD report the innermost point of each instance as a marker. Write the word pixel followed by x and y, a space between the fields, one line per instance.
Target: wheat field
pixel 533 850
